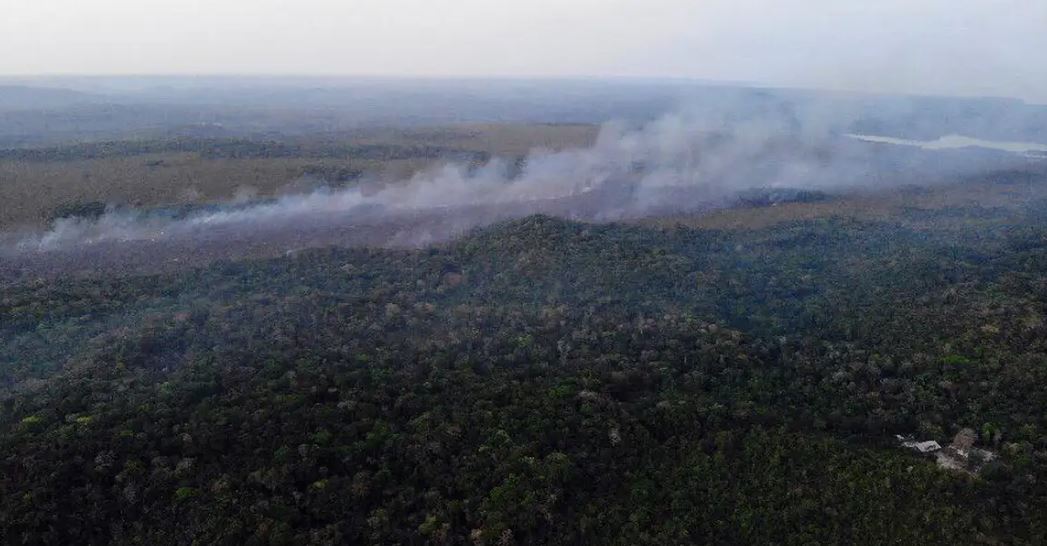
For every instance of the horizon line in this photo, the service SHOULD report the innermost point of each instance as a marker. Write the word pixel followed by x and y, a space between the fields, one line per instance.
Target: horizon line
pixel 694 80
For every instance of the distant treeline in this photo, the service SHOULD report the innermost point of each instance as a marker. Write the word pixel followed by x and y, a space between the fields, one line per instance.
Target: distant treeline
pixel 214 148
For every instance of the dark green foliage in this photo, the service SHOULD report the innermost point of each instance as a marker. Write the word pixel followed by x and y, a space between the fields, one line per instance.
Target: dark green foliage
pixel 540 381
pixel 89 210
pixel 765 197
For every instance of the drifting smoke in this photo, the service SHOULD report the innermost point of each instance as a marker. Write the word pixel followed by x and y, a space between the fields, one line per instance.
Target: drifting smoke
pixel 679 163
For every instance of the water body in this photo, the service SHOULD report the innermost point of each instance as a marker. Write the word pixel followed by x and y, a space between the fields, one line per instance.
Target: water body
pixel 952 142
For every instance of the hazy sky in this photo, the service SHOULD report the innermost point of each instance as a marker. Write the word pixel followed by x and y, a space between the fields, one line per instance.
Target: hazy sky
pixel 995 47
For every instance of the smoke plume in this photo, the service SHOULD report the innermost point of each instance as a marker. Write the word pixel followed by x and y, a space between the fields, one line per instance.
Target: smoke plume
pixel 685 162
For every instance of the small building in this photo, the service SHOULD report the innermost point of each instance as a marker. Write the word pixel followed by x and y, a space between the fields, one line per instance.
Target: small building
pixel 929 446
pixel 961 455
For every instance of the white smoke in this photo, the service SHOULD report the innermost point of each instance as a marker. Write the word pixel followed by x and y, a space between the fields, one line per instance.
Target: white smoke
pixel 676 163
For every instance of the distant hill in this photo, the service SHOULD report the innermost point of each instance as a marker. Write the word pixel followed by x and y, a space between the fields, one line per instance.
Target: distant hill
pixel 58 110
pixel 23 97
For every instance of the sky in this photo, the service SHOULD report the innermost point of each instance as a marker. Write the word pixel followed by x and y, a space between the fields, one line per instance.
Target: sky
pixel 942 47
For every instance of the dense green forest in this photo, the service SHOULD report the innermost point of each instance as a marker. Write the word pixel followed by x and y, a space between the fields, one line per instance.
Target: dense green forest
pixel 543 381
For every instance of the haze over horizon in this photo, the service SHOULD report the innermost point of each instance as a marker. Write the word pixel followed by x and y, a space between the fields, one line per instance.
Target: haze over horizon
pixel 934 47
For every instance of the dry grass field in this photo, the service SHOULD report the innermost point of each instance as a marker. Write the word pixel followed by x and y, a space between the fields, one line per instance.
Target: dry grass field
pixel 31 190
